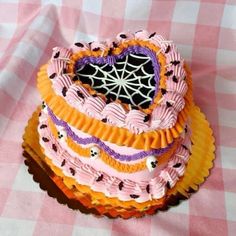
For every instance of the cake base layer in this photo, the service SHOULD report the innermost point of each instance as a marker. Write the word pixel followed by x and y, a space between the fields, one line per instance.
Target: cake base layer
pixel 197 170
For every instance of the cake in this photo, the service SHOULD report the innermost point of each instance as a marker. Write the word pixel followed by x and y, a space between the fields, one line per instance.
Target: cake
pixel 115 122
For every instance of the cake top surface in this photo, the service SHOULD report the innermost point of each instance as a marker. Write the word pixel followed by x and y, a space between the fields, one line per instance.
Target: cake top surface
pixel 137 83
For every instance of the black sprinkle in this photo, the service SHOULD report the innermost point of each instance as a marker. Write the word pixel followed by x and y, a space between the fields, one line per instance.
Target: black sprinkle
pixel 167 49
pixel 64 90
pixel 151 35
pixel 79 45
pixel 64 70
pixel 90 43
pixel 95 95
pixel 123 36
pixel 96 49
pixel 72 171
pixel 104 120
pixel 80 94
pixel 99 178
pixel 138 31
pixel 134 196
pixel 168 104
pixel 40 113
pixel 184 147
pixel 186 129
pixel 52 75
pixel 148 188
pixel 43 126
pixel 168 185
pixel 121 185
pixel 75 78
pixel 57 55
pixel 146 118
pixel 174 78
pixel 115 45
pixel 110 51
pixel 177 165
pixel 54 147
pixel 63 163
pixel 175 63
pixel 154 164
pixel 163 91
pixel 168 73
pixel 45 139
pixel 191 142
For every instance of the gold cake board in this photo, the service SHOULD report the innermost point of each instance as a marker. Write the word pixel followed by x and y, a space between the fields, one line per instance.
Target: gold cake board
pixel 199 165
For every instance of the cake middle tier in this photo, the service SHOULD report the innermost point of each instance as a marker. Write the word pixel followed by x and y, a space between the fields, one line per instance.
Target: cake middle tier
pixel 146 174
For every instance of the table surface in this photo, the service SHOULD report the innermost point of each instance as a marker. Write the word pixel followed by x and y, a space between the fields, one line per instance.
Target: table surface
pixel 205 33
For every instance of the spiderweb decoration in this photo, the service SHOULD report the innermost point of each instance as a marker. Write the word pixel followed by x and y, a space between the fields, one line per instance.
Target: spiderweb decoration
pixel 131 79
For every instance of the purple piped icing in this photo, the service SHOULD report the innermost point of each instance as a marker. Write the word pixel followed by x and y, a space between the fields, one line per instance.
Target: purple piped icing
pixel 102 145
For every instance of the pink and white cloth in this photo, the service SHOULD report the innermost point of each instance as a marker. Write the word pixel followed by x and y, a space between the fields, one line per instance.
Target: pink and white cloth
pixel 205 33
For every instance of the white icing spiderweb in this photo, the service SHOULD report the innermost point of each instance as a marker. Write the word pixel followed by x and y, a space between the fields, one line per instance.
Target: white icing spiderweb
pixel 131 79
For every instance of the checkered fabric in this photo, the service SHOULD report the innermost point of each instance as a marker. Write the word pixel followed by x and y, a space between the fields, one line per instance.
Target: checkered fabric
pixel 205 33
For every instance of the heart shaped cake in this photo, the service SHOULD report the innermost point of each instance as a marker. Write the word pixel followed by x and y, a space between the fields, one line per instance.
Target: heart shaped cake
pixel 114 123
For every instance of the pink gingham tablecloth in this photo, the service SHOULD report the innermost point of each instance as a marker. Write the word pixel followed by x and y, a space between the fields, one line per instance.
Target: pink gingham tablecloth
pixel 205 33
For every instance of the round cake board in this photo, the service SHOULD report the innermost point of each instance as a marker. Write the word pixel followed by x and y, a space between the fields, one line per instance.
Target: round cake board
pixel 197 169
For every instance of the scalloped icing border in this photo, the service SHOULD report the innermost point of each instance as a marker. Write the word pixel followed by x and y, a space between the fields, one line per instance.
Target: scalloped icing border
pixel 201 161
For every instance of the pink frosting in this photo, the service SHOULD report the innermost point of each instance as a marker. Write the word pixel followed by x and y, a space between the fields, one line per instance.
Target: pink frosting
pixel 102 182
pixel 173 56
pixel 142 35
pixel 183 153
pixel 98 46
pixel 123 36
pixel 72 95
pixel 163 117
pixel 55 68
pixel 175 99
pixel 180 86
pixel 135 121
pixel 159 41
pixel 178 71
pixel 93 106
pixel 62 82
pixel 61 53
pixel 114 113
pixel 80 46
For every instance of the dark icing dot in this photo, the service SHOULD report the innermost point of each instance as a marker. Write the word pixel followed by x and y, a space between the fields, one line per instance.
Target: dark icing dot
pixel 80 45
pixel 54 147
pixel 79 94
pixel 123 36
pixel 110 52
pixel 168 185
pixel 146 118
pixel 175 63
pixel 167 49
pixel 64 90
pixel 96 49
pixel 134 196
pixel 121 185
pixel 174 78
pixel 151 35
pixel 168 73
pixel 99 178
pixel 45 139
pixel 177 165
pixel 104 120
pixel 163 91
pixel 168 104
pixel 75 78
pixel 57 54
pixel 52 75
pixel 148 188
pixel 72 171
pixel 63 163
pixel 115 45
pixel 43 126
pixel 184 147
